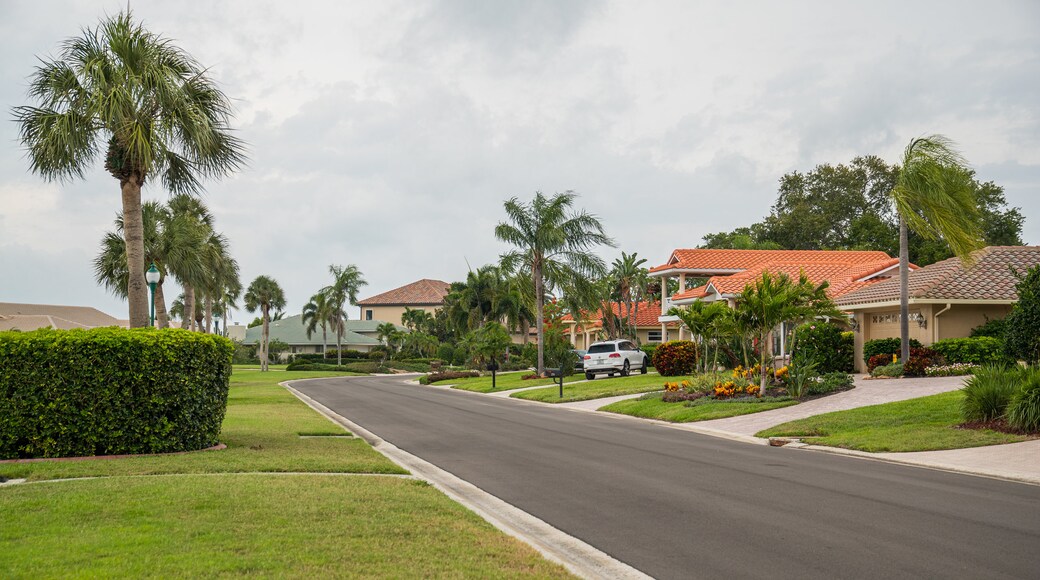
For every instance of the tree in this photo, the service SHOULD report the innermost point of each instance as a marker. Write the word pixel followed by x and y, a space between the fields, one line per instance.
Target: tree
pixel 344 288
pixel 933 197
pixel 318 312
pixel 553 247
pixel 389 335
pixel 704 321
pixel 264 294
pixel 630 278
pixel 152 106
pixel 1022 325
pixel 275 348
pixel 490 342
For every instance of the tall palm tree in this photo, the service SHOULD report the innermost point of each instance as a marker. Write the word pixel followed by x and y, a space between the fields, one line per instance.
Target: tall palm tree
pixel 191 214
pixel 935 199
pixel 264 294
pixel 344 288
pixel 318 312
pixel 552 246
pixel 628 274
pixel 148 104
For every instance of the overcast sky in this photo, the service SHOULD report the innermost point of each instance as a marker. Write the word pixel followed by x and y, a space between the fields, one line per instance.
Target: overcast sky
pixel 388 134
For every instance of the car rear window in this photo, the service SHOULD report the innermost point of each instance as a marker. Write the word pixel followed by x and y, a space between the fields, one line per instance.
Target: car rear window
pixel 597 348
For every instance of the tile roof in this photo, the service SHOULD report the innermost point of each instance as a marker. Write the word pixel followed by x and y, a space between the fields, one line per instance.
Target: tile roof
pixel 33 316
pixel 647 315
pixel 292 331
pixel 988 278
pixel 423 292
pixel 738 260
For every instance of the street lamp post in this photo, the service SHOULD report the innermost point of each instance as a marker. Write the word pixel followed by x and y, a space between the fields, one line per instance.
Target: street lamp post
pixel 152 276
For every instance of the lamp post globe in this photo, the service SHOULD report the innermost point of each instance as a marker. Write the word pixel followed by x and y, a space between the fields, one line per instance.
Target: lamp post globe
pixel 152 277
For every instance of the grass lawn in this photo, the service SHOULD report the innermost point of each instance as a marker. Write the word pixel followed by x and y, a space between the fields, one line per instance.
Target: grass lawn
pixel 597 389
pixel 655 408
pixel 203 519
pixel 504 382
pixel 272 367
pixel 924 424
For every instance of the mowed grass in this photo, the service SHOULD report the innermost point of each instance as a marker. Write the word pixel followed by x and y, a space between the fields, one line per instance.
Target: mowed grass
pixel 271 367
pixel 924 424
pixel 505 382
pixel 200 519
pixel 198 526
pixel 655 408
pixel 262 430
pixel 597 389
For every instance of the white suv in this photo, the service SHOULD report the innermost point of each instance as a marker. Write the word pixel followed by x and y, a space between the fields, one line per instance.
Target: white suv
pixel 614 356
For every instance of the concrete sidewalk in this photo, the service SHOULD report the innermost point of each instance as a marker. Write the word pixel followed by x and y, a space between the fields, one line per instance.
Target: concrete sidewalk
pixel 867 392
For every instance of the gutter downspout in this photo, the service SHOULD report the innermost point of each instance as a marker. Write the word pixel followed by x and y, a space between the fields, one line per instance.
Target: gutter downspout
pixel 935 318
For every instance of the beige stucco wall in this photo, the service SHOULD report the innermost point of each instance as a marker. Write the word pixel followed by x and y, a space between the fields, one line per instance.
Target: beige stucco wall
pixel 391 313
pixel 958 321
pixel 642 332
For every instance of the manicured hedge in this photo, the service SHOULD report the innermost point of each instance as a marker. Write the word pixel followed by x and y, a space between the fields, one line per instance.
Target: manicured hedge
pixel 110 391
pixel 885 346
pixel 977 350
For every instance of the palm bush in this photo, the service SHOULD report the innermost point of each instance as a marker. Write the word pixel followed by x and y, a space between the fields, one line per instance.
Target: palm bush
pixel 1023 410
pixel 988 392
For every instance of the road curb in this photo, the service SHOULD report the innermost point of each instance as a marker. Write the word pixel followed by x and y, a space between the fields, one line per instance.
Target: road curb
pixel 577 556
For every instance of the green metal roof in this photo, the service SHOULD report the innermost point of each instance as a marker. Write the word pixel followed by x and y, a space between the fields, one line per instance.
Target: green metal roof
pixel 292 331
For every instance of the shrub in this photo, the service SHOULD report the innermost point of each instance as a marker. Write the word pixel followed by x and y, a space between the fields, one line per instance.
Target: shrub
pixel 348 353
pixel 878 360
pixel 988 392
pixel 1022 325
pixel 977 351
pixel 992 327
pixel 954 370
pixel 446 352
pixel 450 375
pixel 649 350
pixel 829 383
pixel 920 359
pixel 676 357
pixel 887 346
pixel 889 370
pixel 1023 410
pixel 111 391
pixel 826 344
pixel 376 355
pixel 364 367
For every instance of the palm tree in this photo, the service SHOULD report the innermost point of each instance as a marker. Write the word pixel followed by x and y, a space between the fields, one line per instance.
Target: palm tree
pixel 934 198
pixel 703 320
pixel 628 274
pixel 318 312
pixel 344 288
pixel 388 335
pixel 264 294
pixel 149 105
pixel 552 247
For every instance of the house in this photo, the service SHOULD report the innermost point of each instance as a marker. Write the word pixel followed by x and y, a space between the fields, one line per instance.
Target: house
pixel 422 294
pixel 947 298
pixel 590 328
pixel 27 317
pixel 359 335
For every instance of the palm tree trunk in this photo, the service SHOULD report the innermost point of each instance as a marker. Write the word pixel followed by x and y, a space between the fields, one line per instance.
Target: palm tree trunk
pixel 209 313
pixel 539 313
pixel 133 234
pixel 188 321
pixel 263 338
pixel 904 290
pixel 765 347
pixel 160 306
pixel 339 342
pixel 526 330
pixel 324 341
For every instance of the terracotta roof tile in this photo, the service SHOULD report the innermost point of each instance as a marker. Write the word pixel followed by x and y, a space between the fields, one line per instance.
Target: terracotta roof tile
pixel 988 278
pixel 647 315
pixel 709 259
pixel 422 292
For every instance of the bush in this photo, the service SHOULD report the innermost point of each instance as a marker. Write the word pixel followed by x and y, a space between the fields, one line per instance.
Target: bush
pixel 889 370
pixel 827 345
pixel 461 357
pixel 993 328
pixel 988 392
pixel 376 355
pixel 1022 325
pixel 887 346
pixel 446 352
pixel 878 360
pixel 1023 411
pixel 348 353
pixel 954 370
pixel 109 391
pixel 649 350
pixel 363 367
pixel 829 383
pixel 979 350
pixel 920 359
pixel 449 375
pixel 676 357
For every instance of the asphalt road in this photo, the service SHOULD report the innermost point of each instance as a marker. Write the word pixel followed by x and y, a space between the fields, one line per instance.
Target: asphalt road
pixel 676 504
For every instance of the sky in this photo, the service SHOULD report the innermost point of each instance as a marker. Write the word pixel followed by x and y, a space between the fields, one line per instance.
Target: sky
pixel 388 134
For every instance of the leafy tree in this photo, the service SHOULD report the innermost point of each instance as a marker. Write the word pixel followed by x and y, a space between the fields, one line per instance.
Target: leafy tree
pixel 933 197
pixel 275 348
pixel 318 312
pixel 148 103
pixel 389 335
pixel 266 295
pixel 552 247
pixel 416 319
pixel 1022 325
pixel 490 342
pixel 344 288
pixel 629 280
pixel 702 319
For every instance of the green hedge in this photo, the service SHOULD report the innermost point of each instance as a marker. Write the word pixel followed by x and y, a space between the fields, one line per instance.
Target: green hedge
pixel 110 391
pixel 979 350
pixel 885 346
pixel 826 345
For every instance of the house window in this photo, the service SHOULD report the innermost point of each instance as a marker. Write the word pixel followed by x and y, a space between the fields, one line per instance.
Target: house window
pixel 368 315
pixel 653 336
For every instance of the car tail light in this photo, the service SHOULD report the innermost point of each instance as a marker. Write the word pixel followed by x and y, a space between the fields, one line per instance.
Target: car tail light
pixel 615 355
pixel 587 357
